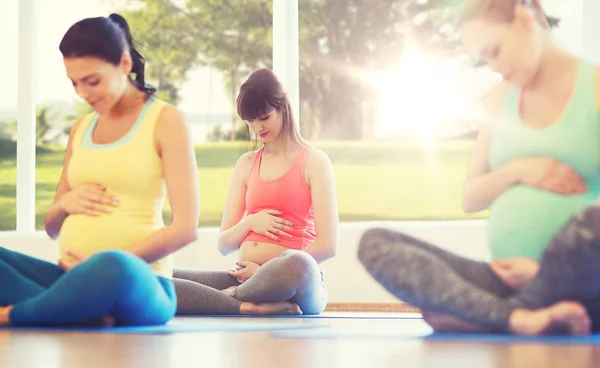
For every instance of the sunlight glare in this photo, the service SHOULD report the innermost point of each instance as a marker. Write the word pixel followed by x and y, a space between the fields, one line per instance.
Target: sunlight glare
pixel 417 96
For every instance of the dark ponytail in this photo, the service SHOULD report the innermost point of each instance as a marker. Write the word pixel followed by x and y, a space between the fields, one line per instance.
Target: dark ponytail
pixel 106 39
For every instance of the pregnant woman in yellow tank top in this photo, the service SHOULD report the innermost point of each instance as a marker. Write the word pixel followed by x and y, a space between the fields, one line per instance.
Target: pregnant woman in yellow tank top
pixel 536 165
pixel 115 264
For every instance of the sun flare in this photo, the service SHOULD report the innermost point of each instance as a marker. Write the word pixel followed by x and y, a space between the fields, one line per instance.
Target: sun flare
pixel 417 96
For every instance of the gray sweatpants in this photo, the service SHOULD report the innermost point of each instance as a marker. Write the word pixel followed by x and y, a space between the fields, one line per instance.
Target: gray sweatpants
pixel 439 281
pixel 294 276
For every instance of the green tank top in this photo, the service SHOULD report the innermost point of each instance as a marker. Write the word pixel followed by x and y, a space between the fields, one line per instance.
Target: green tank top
pixel 524 219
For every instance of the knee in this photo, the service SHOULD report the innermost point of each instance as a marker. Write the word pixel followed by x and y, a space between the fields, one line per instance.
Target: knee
pixel 115 266
pixel 370 244
pixel 298 266
pixel 582 230
pixel 589 219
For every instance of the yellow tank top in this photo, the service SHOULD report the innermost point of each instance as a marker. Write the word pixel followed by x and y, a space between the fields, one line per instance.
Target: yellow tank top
pixel 130 168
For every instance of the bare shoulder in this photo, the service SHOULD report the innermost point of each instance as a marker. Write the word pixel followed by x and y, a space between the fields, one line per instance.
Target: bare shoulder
pixel 246 160
pixel 496 98
pixel 170 116
pixel 318 164
pixel 244 166
pixel 317 158
pixel 76 126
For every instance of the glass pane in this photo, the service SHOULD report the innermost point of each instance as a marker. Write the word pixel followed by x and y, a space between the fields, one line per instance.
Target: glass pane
pixel 8 114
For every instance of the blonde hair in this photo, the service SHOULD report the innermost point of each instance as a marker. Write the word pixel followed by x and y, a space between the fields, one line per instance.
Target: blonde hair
pixel 501 10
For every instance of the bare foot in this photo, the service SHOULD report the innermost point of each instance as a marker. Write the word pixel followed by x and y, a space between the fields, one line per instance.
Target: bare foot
pixel 4 315
pixel 270 308
pixel 446 323
pixel 570 316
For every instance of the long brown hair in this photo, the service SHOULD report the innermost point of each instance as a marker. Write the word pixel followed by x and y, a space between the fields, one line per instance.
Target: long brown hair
pixel 501 10
pixel 260 94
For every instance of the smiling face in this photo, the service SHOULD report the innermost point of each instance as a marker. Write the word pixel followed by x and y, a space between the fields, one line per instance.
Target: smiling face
pixel 98 82
pixel 512 49
pixel 267 127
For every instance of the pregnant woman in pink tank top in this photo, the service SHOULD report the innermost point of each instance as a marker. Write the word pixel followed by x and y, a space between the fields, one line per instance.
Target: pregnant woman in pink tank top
pixel 280 216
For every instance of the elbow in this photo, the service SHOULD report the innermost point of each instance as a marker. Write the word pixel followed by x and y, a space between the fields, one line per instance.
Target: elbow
pixel 187 234
pixel 223 247
pixel 332 251
pixel 52 233
pixel 191 235
pixel 224 250
pixel 328 252
pixel 469 205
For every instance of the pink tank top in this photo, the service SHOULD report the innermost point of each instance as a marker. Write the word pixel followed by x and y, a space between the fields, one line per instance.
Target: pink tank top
pixel 289 194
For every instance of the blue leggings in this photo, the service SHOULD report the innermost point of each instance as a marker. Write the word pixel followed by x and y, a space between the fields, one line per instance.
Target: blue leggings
pixel 112 283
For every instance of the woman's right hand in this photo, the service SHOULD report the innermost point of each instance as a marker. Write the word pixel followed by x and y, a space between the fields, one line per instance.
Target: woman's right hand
pixel 268 222
pixel 88 199
pixel 515 272
pixel 550 174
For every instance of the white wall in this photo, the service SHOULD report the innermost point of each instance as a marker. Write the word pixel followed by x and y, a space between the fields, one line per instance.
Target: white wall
pixel 591 29
pixel 346 279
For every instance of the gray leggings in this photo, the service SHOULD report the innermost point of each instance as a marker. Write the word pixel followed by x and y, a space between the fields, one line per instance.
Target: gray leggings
pixel 439 281
pixel 294 276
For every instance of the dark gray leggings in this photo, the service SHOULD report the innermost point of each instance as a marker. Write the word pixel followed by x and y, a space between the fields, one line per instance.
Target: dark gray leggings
pixel 294 276
pixel 439 281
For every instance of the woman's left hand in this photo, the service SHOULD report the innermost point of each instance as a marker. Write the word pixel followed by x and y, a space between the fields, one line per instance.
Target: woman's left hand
pixel 76 258
pixel 246 270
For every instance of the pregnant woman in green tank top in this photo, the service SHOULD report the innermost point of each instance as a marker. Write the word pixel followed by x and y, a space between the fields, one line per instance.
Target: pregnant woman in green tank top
pixel 536 165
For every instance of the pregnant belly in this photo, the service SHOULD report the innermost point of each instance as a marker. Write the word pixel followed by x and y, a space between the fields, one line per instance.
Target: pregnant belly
pixel 524 219
pixel 118 230
pixel 260 252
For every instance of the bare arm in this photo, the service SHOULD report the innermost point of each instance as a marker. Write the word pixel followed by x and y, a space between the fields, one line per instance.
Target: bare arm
pixel 181 176
pixel 483 186
pixel 234 225
pixel 56 215
pixel 322 187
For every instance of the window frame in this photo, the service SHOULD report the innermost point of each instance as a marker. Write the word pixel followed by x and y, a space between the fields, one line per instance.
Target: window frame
pixel 26 110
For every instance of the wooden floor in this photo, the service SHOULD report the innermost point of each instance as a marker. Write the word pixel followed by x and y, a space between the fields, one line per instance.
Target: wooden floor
pixel 21 349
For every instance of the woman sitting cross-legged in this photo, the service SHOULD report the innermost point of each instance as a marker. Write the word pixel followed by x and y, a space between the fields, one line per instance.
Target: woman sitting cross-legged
pixel 280 215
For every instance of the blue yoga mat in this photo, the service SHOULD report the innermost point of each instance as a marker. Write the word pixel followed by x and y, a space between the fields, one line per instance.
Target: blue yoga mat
pixel 324 315
pixel 178 326
pixel 423 332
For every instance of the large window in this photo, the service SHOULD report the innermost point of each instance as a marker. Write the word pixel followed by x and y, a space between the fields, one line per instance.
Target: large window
pixel 196 62
pixel 389 93
pixel 8 114
pixel 385 90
